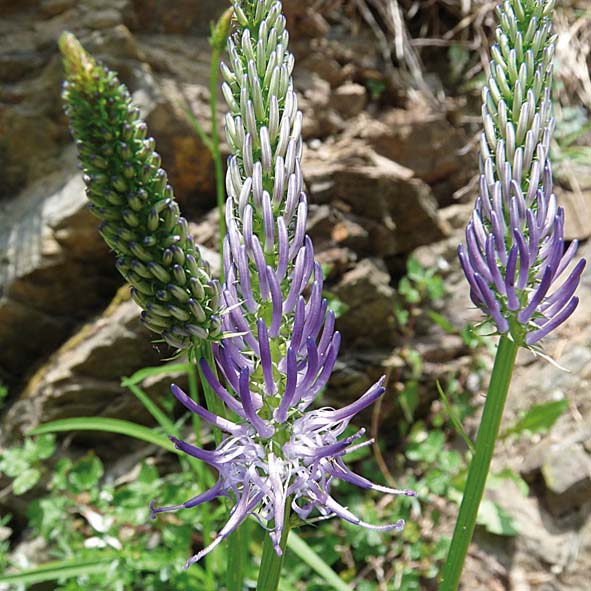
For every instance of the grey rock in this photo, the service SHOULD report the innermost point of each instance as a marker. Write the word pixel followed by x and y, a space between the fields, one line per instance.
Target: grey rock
pixel 51 8
pixel 174 16
pixel 388 211
pixel 55 270
pixel 567 475
pixel 349 99
pixel 366 291
pixel 420 139
pixel 83 377
pixel 539 541
pixel 103 19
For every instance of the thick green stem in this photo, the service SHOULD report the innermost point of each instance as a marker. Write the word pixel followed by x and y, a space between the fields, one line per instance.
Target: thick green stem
pixel 215 148
pixel 480 464
pixel 271 563
pixel 237 557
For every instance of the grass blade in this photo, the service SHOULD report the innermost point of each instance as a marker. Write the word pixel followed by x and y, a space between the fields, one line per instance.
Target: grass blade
pixel 148 372
pixel 315 562
pixel 153 409
pixel 57 570
pixel 107 425
pixel 454 418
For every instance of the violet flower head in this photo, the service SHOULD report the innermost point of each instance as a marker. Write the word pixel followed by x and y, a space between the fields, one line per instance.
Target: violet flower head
pixel 280 344
pixel 519 273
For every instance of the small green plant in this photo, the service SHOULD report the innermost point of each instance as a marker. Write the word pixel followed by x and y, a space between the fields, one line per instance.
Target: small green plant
pixel 417 291
pixel 539 418
pixel 3 394
pixel 24 463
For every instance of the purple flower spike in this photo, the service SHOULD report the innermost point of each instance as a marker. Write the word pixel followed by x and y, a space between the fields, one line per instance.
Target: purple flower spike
pixel 514 250
pixel 279 346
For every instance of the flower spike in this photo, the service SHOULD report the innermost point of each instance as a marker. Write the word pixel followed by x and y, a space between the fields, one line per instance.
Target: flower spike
pixel 130 194
pixel 280 345
pixel 514 249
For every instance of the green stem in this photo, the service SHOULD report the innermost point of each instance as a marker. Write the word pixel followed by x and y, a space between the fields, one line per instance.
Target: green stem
pixel 480 464
pixel 271 563
pixel 215 149
pixel 237 558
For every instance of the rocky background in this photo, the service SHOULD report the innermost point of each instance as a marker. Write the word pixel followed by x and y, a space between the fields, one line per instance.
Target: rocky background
pixel 390 164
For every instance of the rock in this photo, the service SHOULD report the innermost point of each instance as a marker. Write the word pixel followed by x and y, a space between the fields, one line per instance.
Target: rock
pixel 423 141
pixel 173 17
pixel 304 20
pixel 186 159
pixel 567 475
pixel 15 65
pixel 383 209
pixel 51 8
pixel 103 19
pixel 32 124
pixel 576 226
pixel 83 377
pixel 539 542
pixel 366 292
pixel 327 67
pixel 314 93
pixel 349 99
pixel 117 47
pixel 55 272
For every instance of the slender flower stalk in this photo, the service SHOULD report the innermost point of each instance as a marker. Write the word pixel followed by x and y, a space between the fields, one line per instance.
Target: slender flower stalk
pixel 280 344
pixel 130 194
pixel 515 261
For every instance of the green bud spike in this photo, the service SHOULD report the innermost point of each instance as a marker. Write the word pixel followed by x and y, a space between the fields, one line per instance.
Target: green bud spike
pixel 130 193
pixel 178 293
pixel 221 30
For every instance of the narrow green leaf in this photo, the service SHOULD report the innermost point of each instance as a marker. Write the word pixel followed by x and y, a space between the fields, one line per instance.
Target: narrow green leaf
pixel 207 142
pixel 166 424
pixel 540 417
pixel 442 322
pixel 299 547
pixel 57 570
pixel 148 372
pixel 454 418
pixel 107 425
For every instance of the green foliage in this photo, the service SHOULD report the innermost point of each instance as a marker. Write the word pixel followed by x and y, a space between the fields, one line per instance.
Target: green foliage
pixel 458 58
pixel 3 394
pixel 23 463
pixel 5 533
pixel 107 425
pixel 417 291
pixel 573 125
pixel 337 306
pixel 376 88
pixel 538 419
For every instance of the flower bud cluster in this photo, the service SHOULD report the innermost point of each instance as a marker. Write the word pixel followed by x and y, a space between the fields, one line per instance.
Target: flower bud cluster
pixel 280 344
pixel 514 255
pixel 129 192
